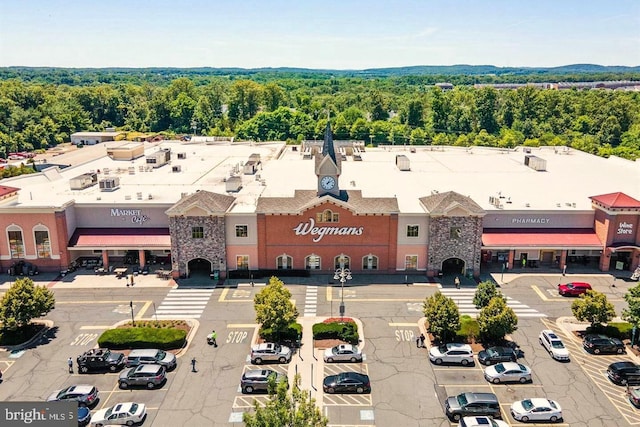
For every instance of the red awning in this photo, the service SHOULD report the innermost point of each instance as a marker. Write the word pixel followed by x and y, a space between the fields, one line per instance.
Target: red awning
pixel 543 239
pixel 117 238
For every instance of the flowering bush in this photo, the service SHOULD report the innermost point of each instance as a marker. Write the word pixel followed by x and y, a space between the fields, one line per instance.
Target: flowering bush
pixel 338 320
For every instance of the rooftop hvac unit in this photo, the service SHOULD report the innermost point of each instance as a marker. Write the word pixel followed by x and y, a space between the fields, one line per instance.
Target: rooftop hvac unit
pixel 182 195
pixel 182 155
pixel 132 170
pixel 535 162
pixel 139 195
pixel 150 196
pixel 176 168
pixel 127 197
pixel 109 184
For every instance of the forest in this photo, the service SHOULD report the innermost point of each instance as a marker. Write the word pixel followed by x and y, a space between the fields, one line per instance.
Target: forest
pixel 42 107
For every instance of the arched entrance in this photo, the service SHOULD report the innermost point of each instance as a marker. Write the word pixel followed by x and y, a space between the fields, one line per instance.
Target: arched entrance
pixel 199 268
pixel 453 266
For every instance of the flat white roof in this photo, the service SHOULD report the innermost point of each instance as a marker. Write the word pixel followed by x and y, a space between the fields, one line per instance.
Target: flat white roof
pixel 571 176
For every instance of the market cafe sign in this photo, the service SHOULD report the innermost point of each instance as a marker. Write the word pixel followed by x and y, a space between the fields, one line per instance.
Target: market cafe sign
pixel 625 228
pixel 136 215
pixel 309 228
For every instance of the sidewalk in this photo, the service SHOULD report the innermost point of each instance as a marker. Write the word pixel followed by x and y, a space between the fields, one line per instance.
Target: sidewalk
pixel 87 280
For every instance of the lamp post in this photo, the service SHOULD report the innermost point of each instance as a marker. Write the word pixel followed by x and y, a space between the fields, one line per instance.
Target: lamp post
pixel 133 321
pixel 342 274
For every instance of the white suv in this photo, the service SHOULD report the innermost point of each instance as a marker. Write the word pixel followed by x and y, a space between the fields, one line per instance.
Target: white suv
pixel 481 422
pixel 452 353
pixel 554 345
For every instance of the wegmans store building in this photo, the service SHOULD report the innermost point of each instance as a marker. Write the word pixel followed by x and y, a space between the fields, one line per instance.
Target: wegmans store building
pixel 237 209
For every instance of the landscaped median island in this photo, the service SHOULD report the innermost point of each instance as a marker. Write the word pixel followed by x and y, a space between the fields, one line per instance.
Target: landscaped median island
pixel 335 330
pixel 161 334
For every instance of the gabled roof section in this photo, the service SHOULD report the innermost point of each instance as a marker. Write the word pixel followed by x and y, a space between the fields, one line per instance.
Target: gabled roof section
pixel 449 202
pixel 204 201
pixel 616 200
pixel 307 199
pixel 328 150
pixel 6 191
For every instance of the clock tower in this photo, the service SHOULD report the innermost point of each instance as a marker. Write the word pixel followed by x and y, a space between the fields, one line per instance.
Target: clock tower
pixel 328 166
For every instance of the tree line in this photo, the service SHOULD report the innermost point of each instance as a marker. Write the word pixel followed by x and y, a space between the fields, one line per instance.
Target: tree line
pixel 264 106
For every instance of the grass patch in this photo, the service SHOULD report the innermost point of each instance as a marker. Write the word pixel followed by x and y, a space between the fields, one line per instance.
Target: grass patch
pixel 143 337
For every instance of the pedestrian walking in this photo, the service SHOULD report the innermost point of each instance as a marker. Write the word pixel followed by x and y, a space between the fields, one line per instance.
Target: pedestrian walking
pixel 214 336
pixel 421 340
pixel 457 282
pixel 418 342
pixel 70 364
pixel 193 365
pixel 524 262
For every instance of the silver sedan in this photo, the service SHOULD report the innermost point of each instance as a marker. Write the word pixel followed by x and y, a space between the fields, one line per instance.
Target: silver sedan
pixel 508 372
pixel 343 353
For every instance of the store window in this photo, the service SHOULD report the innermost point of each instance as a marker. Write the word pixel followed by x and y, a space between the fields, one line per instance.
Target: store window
pixel 411 262
pixel 284 262
pixel 327 216
pixel 197 232
pixel 242 262
pixel 242 230
pixel 342 261
pixel 312 262
pixel 370 262
pixel 16 244
pixel 43 244
pixel 412 230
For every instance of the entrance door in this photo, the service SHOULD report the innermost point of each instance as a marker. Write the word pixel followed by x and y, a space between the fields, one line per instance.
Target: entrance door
pixel 199 268
pixel 620 261
pixel 453 266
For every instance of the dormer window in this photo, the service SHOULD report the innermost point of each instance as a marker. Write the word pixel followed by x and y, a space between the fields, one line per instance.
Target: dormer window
pixel 327 216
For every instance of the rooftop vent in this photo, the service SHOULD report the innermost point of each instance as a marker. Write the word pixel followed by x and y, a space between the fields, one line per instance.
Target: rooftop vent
pixel 176 168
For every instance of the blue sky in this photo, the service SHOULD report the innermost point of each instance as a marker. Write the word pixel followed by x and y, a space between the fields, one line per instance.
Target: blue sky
pixel 329 34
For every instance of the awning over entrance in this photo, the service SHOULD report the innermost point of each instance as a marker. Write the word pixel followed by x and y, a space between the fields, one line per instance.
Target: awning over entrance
pixel 544 239
pixel 120 238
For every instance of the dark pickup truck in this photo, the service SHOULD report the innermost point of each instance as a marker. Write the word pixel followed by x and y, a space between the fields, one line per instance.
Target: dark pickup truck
pixel 100 359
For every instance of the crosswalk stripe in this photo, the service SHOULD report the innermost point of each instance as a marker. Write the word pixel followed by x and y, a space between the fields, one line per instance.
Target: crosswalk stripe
pixel 464 300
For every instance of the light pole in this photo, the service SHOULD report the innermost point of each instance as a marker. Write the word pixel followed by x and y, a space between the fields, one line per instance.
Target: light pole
pixel 342 274
pixel 133 320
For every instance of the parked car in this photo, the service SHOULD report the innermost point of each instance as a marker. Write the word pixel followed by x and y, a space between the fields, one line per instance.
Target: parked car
pixel 84 394
pixel 634 396
pixel 624 373
pixel 494 355
pixel 347 382
pixel 151 356
pixel 554 345
pixel 573 289
pixel 481 422
pixel 507 372
pixel 536 409
pixel 127 413
pixel 100 359
pixel 452 353
pixel 343 353
pixel 257 380
pixel 84 416
pixel 597 343
pixel 470 404
pixel 151 376
pixel 270 352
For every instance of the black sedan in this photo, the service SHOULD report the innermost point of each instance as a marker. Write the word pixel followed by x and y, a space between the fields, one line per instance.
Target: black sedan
pixel 493 355
pixel 624 373
pixel 347 382
pixel 596 344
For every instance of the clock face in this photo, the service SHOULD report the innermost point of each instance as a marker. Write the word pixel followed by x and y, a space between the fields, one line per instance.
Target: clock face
pixel 327 182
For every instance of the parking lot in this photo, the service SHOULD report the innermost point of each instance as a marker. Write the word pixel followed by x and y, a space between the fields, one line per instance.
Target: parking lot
pixel 406 388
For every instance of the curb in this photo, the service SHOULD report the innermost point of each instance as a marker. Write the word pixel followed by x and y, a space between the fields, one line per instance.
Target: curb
pixel 48 324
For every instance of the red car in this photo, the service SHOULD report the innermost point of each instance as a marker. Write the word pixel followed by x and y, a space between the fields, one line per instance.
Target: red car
pixel 573 289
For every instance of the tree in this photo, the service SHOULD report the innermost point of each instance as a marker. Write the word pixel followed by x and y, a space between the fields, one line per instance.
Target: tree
pixel 631 314
pixel 485 292
pixel 23 302
pixel 284 409
pixel 274 309
pixel 496 320
pixel 443 317
pixel 593 307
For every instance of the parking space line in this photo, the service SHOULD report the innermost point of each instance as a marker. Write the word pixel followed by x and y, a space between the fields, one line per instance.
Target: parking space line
pixel 240 402
pixel 347 400
pixel 96 327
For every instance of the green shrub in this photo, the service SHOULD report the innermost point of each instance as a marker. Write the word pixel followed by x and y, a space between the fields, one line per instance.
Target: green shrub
pixel 293 333
pixel 20 335
pixel 143 337
pixel 345 331
pixel 620 330
pixel 469 329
